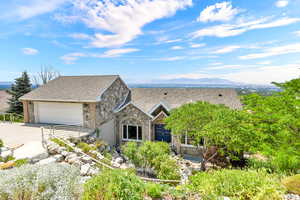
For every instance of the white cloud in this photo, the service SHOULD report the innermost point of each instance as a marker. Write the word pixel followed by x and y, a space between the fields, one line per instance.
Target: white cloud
pixel 116 52
pixel 281 3
pixel 176 47
pixel 31 8
pixel 30 51
pixel 80 36
pixel 218 12
pixel 175 58
pixel 274 51
pixel 227 49
pixel 225 67
pixel 188 76
pixel 70 58
pixel 260 75
pixel 124 19
pixel 228 30
pixel 267 62
pixel 297 33
pixel 197 45
pixel 265 75
pixel 216 63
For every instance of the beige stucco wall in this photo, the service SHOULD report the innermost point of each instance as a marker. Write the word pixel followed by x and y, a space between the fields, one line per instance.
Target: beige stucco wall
pixel 108 133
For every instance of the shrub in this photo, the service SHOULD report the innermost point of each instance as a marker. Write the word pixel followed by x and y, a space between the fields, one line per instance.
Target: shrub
pixel 1 143
pixel 29 182
pixel 167 168
pixel 85 147
pixel 237 185
pixel 292 184
pixel 61 143
pixel 155 190
pixel 114 185
pixel 21 162
pixel 130 150
pixel 280 163
pixel 153 155
pixel 285 161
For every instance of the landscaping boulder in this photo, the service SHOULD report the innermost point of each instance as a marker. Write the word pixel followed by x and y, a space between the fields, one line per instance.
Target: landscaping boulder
pixel 47 161
pixel 119 160
pixel 85 169
pixel 59 157
pixel 6 153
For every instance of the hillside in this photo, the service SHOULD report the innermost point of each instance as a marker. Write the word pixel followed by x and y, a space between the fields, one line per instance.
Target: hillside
pixel 3 100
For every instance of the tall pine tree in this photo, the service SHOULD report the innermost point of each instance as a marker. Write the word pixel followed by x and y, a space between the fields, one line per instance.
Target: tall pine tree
pixel 21 86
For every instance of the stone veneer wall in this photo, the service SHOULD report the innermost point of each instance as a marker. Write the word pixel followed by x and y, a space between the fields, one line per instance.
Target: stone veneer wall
pixel 132 116
pixel 89 115
pixel 113 97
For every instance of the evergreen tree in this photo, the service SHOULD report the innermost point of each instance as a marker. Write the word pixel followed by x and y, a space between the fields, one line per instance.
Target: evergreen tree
pixel 21 86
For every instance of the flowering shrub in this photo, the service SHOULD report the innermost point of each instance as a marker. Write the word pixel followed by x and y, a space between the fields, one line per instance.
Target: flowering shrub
pixel 40 182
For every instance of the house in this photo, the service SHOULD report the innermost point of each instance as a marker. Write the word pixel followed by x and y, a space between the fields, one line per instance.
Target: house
pixel 122 114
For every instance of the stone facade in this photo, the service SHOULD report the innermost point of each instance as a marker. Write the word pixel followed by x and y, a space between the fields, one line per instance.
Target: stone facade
pixel 89 115
pixel 131 115
pixel 111 99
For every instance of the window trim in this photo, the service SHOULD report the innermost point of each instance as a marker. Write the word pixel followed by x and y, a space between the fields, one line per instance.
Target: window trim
pixel 185 141
pixel 137 131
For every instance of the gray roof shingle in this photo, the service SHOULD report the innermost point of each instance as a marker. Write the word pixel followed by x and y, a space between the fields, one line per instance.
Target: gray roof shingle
pixel 148 98
pixel 72 89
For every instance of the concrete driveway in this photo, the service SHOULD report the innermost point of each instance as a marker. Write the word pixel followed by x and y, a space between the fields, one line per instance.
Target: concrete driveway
pixel 14 134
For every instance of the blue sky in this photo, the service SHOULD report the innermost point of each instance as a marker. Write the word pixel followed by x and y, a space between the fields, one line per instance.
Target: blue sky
pixel 146 40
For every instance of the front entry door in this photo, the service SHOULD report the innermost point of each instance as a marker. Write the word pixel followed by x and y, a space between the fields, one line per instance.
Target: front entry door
pixel 162 134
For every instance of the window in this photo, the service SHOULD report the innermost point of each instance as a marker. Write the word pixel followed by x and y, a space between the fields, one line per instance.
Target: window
pixel 131 132
pixel 189 141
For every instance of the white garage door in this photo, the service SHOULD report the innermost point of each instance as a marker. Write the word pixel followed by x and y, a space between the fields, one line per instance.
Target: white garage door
pixel 58 113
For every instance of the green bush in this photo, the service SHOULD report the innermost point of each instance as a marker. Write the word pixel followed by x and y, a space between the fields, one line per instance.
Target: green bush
pixel 21 162
pixel 85 147
pixel 61 143
pixel 166 168
pixel 237 185
pixel 292 184
pixel 130 150
pixel 280 163
pixel 155 190
pixel 114 185
pixel 1 143
pixel 286 162
pixel 153 155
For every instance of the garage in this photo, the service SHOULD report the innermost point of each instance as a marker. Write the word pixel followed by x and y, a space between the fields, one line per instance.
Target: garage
pixel 58 113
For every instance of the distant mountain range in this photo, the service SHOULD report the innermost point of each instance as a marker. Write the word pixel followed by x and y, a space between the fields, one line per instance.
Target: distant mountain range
pixel 207 81
pixel 202 82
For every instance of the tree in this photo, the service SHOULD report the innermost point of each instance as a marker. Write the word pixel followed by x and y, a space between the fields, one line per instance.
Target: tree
pixel 45 75
pixel 276 121
pixel 21 86
pixel 218 125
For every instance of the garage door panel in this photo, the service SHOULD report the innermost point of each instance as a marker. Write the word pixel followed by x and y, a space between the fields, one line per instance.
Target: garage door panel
pixel 59 113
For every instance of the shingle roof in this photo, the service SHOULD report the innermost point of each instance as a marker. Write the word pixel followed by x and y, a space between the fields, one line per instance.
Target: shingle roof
pixel 72 89
pixel 148 98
